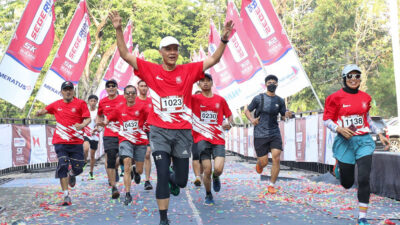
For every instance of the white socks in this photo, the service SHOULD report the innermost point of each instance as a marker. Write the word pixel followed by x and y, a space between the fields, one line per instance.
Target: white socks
pixel 66 193
pixel 362 211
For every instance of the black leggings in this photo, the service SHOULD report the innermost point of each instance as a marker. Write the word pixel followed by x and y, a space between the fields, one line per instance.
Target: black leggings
pixel 181 168
pixel 364 171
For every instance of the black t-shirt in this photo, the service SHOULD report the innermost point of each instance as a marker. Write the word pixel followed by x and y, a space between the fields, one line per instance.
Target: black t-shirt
pixel 268 126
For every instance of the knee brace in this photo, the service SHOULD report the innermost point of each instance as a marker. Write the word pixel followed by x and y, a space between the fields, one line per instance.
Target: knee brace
pixel 77 166
pixel 62 168
pixel 111 158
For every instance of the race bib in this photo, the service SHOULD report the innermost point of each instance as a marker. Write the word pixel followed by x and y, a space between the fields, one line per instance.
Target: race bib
pixel 355 120
pixel 209 117
pixel 131 125
pixel 172 104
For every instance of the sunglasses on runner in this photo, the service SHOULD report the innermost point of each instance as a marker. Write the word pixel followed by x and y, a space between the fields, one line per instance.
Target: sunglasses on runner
pixel 357 76
pixel 130 93
pixel 111 86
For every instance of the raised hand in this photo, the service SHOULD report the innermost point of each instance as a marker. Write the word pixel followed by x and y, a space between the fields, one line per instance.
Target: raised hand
pixel 227 30
pixel 115 19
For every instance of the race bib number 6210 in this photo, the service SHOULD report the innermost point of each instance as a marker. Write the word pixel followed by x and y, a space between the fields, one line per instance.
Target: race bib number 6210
pixel 172 104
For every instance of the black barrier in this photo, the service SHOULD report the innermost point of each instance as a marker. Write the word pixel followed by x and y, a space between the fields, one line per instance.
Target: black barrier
pixel 26 121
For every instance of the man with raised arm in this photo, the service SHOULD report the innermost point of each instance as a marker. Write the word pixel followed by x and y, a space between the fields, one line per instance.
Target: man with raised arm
pixel 171 116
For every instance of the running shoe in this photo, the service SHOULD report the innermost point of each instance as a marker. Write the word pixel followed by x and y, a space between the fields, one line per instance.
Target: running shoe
pixel 362 221
pixel 258 168
pixel 209 200
pixel 164 222
pixel 66 202
pixel 128 199
pixel 114 193
pixel 72 180
pixel 91 177
pixel 116 175
pixel 135 175
pixel 271 190
pixel 336 172
pixel 174 189
pixel 147 185
pixel 216 183
pixel 197 182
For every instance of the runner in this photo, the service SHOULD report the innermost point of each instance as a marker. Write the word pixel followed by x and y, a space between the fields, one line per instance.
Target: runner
pixel 267 136
pixel 197 169
pixel 110 139
pixel 72 115
pixel 132 139
pixel 170 120
pixel 346 113
pixel 209 111
pixel 91 134
pixel 142 99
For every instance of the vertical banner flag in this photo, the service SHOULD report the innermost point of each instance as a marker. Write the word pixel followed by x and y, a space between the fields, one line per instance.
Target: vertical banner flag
pixel 273 47
pixel 28 50
pixel 38 144
pixel 5 146
pixel 51 153
pixel 21 145
pixel 133 80
pixel 71 57
pixel 118 69
pixel 223 72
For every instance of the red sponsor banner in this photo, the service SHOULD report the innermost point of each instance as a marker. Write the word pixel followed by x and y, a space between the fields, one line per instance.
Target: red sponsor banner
pixel 300 139
pixel 118 68
pixel 282 130
pixel 21 145
pixel 321 139
pixel 221 72
pixel 51 153
pixel 73 52
pixel 34 36
pixel 264 30
pixel 71 57
pixel 239 44
pixel 245 141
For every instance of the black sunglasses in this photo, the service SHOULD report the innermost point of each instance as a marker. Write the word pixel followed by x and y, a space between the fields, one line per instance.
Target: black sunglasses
pixel 357 76
pixel 111 86
pixel 130 93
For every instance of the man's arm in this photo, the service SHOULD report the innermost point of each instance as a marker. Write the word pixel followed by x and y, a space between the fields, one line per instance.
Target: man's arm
pixel 41 112
pixel 80 126
pixel 250 117
pixel 214 59
pixel 123 50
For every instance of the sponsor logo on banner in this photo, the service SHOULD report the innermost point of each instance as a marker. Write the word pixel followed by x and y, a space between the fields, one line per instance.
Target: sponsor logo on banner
pixel 237 48
pixel 19 142
pixel 260 19
pixel 79 41
pixel 36 141
pixel 41 23
pixel 15 82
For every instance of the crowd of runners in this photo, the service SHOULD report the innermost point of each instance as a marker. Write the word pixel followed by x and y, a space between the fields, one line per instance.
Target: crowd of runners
pixel 172 125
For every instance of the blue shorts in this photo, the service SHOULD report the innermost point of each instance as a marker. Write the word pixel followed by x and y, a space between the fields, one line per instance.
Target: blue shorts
pixel 348 151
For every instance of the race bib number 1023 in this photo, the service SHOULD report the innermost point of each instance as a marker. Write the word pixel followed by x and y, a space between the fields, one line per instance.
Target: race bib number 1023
pixel 172 104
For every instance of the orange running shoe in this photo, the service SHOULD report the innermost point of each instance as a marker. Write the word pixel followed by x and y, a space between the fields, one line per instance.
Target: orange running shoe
pixel 259 169
pixel 271 190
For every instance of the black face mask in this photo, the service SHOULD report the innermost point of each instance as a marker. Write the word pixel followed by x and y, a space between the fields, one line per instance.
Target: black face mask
pixel 272 87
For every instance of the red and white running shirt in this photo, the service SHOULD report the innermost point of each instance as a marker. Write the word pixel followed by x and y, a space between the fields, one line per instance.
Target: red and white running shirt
pixel 131 120
pixel 208 115
pixel 171 92
pixel 106 106
pixel 147 105
pixel 349 110
pixel 67 115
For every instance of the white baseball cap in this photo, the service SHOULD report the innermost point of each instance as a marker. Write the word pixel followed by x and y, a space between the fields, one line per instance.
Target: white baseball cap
pixel 350 67
pixel 168 40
